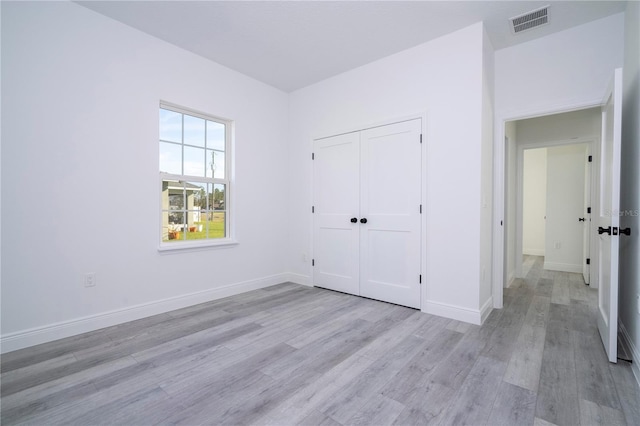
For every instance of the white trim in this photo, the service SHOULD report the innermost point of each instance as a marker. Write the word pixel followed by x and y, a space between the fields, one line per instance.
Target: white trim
pixel 631 349
pixel 472 316
pixel 299 279
pixel 486 309
pixel 563 267
pixel 34 336
pixel 194 245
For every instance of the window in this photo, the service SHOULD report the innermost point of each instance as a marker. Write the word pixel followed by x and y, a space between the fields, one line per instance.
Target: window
pixel 194 178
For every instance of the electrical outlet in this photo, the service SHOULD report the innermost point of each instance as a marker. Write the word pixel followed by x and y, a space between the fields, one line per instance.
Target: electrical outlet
pixel 90 279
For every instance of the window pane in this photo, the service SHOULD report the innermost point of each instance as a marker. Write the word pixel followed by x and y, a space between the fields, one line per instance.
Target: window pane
pixel 170 158
pixel 215 164
pixel 170 126
pixel 216 226
pixel 196 195
pixel 193 131
pixel 194 161
pixel 215 135
pixel 219 197
pixel 172 195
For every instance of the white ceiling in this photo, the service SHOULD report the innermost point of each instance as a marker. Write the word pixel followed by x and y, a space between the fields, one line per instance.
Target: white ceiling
pixel 292 44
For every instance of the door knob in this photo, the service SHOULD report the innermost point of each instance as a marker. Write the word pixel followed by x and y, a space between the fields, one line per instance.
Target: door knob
pixel 625 231
pixel 602 230
pixel 581 219
pixel 363 220
pixel 354 219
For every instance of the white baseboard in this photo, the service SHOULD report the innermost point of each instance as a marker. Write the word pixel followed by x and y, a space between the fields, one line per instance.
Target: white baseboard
pixel 562 267
pixel 486 309
pixel 533 252
pixel 631 350
pixel 35 336
pixel 300 279
pixel 455 312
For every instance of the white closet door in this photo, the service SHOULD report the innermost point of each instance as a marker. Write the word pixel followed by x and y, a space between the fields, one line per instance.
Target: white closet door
pixel 390 194
pixel 336 203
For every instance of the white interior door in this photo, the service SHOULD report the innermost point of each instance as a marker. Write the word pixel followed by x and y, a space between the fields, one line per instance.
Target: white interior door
pixel 608 217
pixel 390 200
pixel 336 204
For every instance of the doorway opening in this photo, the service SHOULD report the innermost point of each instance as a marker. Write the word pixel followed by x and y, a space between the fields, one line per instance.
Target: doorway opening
pixel 549 190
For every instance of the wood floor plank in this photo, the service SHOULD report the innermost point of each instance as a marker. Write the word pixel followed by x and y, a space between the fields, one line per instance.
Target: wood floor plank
pixel 513 406
pixel 558 390
pixel 526 361
pixel 303 402
pixel 598 415
pixel 627 390
pixel 538 312
pixel 544 288
pixel 418 368
pixel 427 405
pixel 502 341
pixel 595 382
pixel 347 401
pixel 378 410
pixel 561 293
pixel 474 400
pixel 453 370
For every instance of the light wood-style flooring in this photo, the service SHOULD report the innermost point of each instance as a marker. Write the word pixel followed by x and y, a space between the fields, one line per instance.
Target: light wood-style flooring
pixel 290 355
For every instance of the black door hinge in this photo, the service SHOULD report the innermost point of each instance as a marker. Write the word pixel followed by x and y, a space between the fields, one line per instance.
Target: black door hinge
pixel 313 262
pixel 313 209
pixel 591 158
pixel 420 208
pixel 420 137
pixel 589 210
pixel 313 155
pixel 588 261
pixel 420 280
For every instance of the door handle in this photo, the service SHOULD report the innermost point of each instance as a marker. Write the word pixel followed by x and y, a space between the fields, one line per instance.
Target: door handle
pixel 363 220
pixel 354 219
pixel 625 231
pixel 602 230
pixel 581 219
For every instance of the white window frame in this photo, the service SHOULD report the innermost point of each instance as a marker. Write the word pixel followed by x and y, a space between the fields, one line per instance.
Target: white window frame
pixel 229 239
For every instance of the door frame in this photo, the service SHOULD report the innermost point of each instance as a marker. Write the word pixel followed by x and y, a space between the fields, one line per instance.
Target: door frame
pixel 499 182
pixel 591 144
pixel 364 125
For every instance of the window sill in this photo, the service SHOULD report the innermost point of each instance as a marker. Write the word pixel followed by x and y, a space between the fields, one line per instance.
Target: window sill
pixel 181 247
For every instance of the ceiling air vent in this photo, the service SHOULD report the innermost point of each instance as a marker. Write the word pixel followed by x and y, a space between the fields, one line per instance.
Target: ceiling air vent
pixel 530 20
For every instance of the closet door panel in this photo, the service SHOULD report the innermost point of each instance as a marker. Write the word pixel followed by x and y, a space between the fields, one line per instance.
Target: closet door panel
pixel 390 198
pixel 336 203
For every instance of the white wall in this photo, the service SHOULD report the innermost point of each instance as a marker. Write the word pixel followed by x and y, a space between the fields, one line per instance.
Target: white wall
pixel 486 219
pixel 80 96
pixel 534 201
pixel 584 123
pixel 444 79
pixel 569 68
pixel 565 204
pixel 630 186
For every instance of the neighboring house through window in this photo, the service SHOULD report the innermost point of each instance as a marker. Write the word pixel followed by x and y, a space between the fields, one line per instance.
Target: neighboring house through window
pixel 194 178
